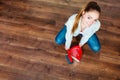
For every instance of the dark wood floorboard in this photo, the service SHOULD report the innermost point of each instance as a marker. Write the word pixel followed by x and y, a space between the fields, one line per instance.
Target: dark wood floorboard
pixel 28 50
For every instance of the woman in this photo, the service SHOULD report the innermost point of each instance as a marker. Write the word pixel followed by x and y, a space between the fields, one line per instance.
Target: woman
pixel 84 23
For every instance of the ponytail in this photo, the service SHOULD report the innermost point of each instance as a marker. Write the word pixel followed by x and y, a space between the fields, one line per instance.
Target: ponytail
pixel 75 25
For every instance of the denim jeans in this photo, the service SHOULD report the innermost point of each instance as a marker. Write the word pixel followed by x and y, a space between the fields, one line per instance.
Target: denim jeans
pixel 60 38
pixel 93 41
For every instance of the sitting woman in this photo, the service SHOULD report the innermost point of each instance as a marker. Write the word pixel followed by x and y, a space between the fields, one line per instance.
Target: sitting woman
pixel 84 23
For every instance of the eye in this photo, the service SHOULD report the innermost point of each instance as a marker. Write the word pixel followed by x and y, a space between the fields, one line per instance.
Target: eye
pixel 89 17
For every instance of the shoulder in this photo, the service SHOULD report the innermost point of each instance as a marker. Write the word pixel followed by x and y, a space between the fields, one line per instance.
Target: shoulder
pixel 98 23
pixel 70 20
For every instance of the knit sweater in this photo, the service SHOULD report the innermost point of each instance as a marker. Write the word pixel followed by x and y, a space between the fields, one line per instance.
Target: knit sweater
pixel 86 34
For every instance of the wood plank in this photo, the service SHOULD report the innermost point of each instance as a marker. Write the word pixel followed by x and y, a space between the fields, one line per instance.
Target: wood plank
pixel 28 50
pixel 56 70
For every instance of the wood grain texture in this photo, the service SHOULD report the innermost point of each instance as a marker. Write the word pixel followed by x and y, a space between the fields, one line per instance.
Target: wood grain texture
pixel 28 50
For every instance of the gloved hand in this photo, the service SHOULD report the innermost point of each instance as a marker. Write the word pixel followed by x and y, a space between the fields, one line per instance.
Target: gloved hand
pixel 74 53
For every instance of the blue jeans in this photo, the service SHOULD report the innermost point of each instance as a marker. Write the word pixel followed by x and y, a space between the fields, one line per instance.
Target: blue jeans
pixel 93 41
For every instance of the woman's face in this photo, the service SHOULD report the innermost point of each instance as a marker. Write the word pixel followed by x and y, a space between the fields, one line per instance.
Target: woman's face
pixel 88 18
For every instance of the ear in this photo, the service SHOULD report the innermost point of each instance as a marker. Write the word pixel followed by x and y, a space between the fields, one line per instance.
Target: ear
pixel 83 12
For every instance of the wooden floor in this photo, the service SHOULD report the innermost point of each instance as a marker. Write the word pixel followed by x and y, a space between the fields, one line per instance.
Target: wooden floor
pixel 28 50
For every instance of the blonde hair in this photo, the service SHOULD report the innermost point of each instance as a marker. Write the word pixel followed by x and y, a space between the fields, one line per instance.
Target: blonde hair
pixel 90 6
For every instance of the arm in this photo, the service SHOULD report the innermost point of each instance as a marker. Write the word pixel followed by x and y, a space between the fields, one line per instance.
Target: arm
pixel 68 40
pixel 87 33
pixel 69 35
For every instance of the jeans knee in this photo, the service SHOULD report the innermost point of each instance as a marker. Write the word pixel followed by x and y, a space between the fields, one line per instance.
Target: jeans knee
pixel 58 41
pixel 60 38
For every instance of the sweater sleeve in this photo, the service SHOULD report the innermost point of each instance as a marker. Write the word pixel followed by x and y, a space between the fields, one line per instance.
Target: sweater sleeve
pixel 89 32
pixel 69 35
pixel 68 40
